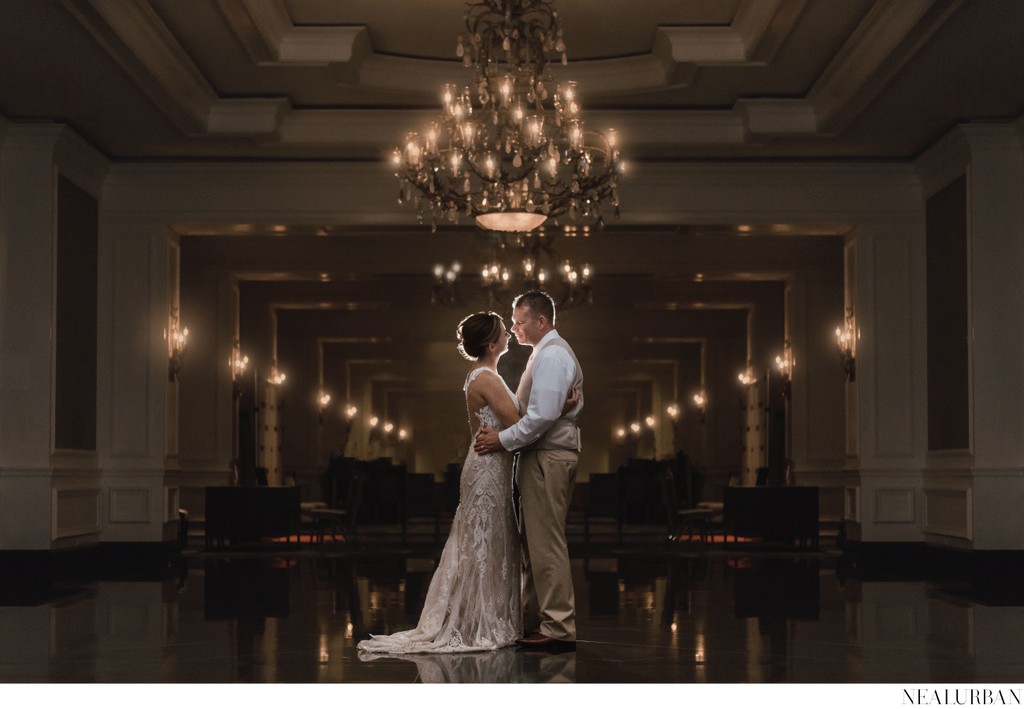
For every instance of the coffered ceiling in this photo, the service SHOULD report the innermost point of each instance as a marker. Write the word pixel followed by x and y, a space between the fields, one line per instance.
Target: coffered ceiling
pixel 690 79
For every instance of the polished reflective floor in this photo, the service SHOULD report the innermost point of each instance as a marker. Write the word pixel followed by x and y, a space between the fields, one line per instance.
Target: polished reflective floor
pixel 647 613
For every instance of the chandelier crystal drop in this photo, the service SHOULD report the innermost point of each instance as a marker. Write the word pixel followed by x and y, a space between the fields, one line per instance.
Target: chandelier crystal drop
pixel 511 149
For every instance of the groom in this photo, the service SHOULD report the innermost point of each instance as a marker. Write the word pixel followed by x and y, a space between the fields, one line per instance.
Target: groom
pixel 548 443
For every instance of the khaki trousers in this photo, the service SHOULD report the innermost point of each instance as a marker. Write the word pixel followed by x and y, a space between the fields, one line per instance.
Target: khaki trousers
pixel 546 479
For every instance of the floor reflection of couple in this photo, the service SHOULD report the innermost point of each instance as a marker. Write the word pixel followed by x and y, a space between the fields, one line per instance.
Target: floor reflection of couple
pixel 494 667
pixel 496 578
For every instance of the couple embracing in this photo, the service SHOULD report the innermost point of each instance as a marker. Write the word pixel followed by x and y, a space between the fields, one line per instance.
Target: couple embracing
pixel 500 581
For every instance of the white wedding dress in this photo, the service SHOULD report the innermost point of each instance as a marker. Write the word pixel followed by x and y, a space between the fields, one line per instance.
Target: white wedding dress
pixel 472 602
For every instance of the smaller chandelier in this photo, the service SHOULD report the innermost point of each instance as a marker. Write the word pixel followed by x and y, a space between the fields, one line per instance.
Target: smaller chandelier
pixel 511 150
pixel 521 262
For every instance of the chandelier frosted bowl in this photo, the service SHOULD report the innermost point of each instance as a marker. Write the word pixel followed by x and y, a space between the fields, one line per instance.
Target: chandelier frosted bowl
pixel 510 150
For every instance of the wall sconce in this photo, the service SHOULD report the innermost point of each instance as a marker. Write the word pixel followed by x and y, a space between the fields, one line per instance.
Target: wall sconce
pixel 276 377
pixel 650 421
pixel 322 400
pixel 673 411
pixel 785 362
pixel 403 435
pixel 177 341
pixel 350 414
pixel 702 404
pixel 238 362
pixel 747 376
pixel 846 341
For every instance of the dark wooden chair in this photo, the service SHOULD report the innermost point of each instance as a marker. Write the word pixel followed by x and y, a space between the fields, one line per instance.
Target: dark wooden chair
pixel 682 519
pixel 604 502
pixel 344 519
pixel 248 513
pixel 419 502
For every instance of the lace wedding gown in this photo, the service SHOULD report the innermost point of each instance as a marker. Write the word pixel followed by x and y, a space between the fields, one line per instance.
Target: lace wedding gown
pixel 472 602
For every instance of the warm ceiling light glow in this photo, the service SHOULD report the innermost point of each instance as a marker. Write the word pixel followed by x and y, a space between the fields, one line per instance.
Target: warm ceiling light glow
pixel 510 221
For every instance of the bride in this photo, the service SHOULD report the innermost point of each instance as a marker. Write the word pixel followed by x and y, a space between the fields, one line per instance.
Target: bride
pixel 472 602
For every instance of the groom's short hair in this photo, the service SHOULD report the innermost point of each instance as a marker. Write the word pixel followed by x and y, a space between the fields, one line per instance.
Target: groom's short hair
pixel 539 303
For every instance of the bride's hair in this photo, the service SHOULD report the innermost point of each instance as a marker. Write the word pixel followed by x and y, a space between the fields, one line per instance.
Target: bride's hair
pixel 475 332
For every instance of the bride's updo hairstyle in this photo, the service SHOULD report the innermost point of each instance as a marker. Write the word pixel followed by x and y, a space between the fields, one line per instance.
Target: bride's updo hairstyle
pixel 477 331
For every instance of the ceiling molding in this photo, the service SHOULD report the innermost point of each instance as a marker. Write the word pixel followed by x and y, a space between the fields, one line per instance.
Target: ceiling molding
pixel 365 127
pixel 268 34
pixel 144 47
pixel 136 37
pixel 887 38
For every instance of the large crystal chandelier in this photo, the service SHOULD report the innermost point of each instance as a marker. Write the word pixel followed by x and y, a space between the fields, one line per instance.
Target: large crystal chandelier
pixel 511 149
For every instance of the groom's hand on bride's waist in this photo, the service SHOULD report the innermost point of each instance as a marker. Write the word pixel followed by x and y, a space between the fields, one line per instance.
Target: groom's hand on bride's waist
pixel 487 441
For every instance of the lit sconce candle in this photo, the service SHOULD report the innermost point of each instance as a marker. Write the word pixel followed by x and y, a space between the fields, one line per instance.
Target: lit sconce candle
pixel 323 398
pixel 699 399
pixel 634 427
pixel 620 433
pixel 650 421
pixel 672 410
pixel 576 134
pixel 586 272
pixel 413 154
pixel 542 276
pixel 534 128
pixel 350 412
pixel 389 427
pixel 528 266
pixel 402 434
pixel 438 271
pixel 374 421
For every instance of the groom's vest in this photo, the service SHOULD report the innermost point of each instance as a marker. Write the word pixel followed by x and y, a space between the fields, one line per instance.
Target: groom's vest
pixel 564 434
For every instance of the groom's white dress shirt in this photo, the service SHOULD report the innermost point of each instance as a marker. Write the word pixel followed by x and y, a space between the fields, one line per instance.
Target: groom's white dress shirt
pixel 551 384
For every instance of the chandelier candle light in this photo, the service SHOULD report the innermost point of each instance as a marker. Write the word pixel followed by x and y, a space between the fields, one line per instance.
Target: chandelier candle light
pixel 510 150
